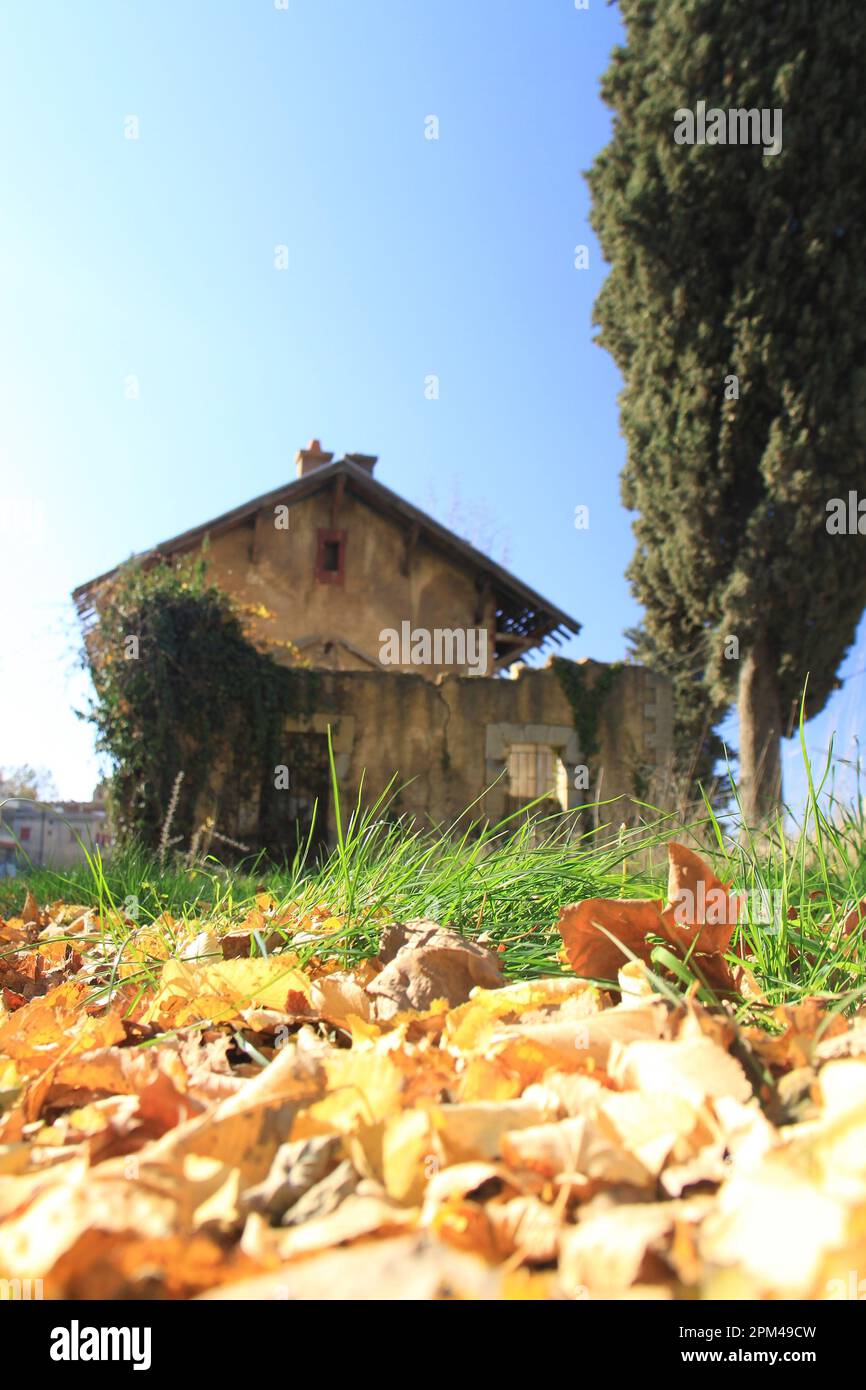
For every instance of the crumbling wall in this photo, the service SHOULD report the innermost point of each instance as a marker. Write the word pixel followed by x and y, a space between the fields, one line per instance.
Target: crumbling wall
pixel 447 742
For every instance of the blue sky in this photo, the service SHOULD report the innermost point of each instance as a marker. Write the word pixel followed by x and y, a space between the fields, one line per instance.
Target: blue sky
pixel 154 259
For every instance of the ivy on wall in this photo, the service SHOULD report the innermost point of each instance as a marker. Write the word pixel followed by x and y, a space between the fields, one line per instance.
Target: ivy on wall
pixel 180 688
pixel 586 699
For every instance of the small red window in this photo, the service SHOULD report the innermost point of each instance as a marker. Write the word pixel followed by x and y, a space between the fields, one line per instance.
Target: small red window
pixel 331 556
pixel 25 832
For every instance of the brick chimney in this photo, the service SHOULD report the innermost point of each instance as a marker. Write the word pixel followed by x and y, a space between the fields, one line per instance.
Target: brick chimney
pixel 366 461
pixel 309 459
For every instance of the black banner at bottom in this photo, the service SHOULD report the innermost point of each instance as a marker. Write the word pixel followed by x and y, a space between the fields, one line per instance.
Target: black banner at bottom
pixel 208 1337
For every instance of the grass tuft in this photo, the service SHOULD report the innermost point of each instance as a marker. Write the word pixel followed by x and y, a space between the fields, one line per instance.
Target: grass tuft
pixel 508 882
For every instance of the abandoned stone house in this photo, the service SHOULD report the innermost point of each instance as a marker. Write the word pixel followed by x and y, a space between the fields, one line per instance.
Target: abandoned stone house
pixel 417 638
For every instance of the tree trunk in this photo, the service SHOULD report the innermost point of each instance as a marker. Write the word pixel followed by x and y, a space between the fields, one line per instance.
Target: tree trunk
pixel 760 733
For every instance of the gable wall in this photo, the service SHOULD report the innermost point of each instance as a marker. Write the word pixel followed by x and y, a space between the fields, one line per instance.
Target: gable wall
pixel 375 594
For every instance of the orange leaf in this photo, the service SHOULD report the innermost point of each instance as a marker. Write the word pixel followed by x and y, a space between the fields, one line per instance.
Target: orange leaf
pixel 699 905
pixel 58 1023
pixel 700 917
pixel 591 953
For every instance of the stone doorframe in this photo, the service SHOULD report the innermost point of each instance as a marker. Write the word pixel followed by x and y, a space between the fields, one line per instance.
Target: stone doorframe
pixel 562 738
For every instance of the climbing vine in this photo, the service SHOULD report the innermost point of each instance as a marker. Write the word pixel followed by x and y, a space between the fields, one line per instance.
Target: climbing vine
pixel 179 687
pixel 586 700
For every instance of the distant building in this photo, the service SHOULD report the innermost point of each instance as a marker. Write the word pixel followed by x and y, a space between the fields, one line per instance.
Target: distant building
pixel 412 631
pixel 52 833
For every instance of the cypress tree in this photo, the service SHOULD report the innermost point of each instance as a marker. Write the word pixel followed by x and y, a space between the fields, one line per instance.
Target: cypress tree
pixel 735 308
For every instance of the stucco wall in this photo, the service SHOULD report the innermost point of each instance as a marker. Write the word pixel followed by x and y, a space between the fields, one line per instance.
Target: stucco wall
pixel 338 626
pixel 447 742
pixel 444 735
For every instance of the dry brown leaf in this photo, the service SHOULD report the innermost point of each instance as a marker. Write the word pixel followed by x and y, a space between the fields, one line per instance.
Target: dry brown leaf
pixel 476 1131
pixel 601 935
pixel 701 915
pixel 591 952
pixel 527 1227
pixel 58 1023
pixel 235 944
pixel 468 1027
pixel 246 1129
pixel 325 1196
pixel 61 1212
pixel 296 1168
pixel 805 1025
pixel 340 996
pixel 854 918
pixel 461 1180
pixel 571 1045
pixel 121 1265
pixel 653 1127
pixel 433 1150
pixel 411 1152
pixel 30 911
pixel 425 963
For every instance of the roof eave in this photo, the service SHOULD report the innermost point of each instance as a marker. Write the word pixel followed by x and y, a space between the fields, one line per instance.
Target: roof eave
pixel 375 493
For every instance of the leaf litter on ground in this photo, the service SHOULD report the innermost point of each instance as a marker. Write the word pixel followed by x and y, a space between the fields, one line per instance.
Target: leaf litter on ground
pixel 196 1110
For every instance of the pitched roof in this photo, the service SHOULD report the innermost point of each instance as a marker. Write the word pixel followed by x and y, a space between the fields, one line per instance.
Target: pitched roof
pixel 524 619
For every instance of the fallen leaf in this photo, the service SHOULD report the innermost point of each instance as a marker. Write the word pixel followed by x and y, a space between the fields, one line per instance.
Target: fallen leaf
pixel 601 935
pixel 587 928
pixel 693 1069
pixel 189 992
pixel 606 1251
pixel 426 963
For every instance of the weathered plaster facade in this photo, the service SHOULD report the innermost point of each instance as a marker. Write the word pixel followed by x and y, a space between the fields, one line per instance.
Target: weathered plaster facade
pixel 337 626
pixel 448 742
pixel 324 566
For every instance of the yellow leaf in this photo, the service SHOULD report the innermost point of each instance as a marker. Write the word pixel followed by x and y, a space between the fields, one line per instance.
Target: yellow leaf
pixel 189 991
